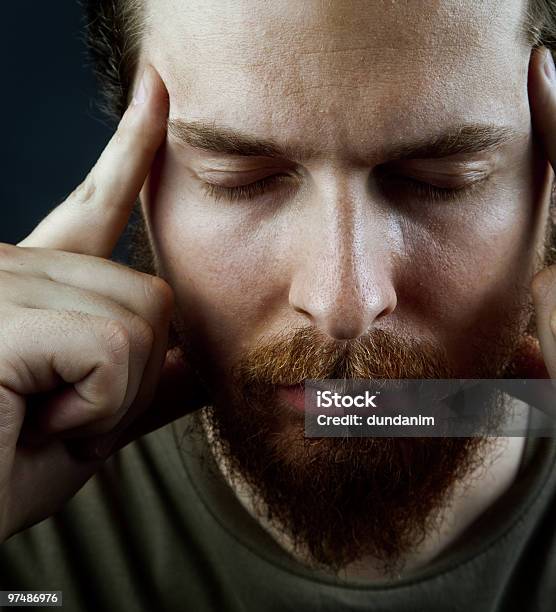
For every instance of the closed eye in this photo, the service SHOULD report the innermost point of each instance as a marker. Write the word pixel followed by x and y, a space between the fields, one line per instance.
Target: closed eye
pixel 399 188
pixel 249 191
pixel 428 191
pixel 393 186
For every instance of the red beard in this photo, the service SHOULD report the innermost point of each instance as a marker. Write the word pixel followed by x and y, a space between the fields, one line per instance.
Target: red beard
pixel 340 500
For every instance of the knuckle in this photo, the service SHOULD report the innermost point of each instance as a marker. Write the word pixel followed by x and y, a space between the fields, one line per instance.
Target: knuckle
pixel 159 295
pixel 143 334
pixel 116 341
pixel 86 191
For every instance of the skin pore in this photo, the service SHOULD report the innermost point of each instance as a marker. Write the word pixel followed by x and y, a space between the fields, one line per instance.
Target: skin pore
pixel 403 202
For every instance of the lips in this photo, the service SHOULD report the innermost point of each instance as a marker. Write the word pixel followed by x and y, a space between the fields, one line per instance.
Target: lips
pixel 293 395
pixel 304 400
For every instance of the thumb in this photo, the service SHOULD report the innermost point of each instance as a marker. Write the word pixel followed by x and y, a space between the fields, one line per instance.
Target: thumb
pixel 179 392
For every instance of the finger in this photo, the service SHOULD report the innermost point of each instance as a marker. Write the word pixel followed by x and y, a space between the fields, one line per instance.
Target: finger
pixel 542 100
pixel 90 353
pixel 94 216
pixel 543 291
pixel 37 293
pixel 150 297
pixel 179 392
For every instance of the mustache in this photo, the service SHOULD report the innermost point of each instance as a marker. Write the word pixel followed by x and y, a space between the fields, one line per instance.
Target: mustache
pixel 289 358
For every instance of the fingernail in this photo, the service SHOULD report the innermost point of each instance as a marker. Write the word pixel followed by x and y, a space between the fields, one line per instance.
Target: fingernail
pixel 549 68
pixel 552 322
pixel 140 94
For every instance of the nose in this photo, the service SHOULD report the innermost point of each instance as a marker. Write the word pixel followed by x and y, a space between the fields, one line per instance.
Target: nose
pixel 342 281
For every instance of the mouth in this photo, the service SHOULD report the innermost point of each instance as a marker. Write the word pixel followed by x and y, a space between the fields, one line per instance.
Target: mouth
pixel 392 398
pixel 292 395
pixel 304 400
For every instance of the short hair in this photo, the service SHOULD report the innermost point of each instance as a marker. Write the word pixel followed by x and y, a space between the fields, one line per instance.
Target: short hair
pixel 113 36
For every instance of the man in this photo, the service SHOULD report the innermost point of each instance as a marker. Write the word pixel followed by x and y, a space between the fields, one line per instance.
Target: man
pixel 329 190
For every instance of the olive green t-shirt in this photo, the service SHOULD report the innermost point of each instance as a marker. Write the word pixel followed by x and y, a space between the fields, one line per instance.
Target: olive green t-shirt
pixel 158 529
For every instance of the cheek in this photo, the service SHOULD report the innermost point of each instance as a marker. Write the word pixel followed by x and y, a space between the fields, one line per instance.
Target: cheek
pixel 472 269
pixel 221 262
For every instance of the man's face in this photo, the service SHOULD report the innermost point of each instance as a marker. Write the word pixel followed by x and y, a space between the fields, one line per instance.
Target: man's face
pixel 406 199
pixel 350 239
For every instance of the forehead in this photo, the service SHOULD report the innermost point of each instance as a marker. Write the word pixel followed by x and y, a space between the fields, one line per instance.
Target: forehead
pixel 325 69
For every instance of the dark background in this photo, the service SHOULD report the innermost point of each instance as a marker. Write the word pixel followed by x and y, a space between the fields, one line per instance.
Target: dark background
pixel 52 128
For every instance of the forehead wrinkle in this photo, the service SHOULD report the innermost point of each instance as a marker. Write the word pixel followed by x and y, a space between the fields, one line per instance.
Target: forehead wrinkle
pixel 339 91
pixel 245 32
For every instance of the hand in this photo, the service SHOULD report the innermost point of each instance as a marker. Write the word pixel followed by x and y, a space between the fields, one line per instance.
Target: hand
pixel 83 340
pixel 542 98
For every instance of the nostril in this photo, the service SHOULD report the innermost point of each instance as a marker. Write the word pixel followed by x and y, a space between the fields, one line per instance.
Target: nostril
pixel 391 301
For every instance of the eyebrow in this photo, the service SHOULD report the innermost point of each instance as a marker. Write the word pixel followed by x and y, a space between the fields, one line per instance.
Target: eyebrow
pixel 222 139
